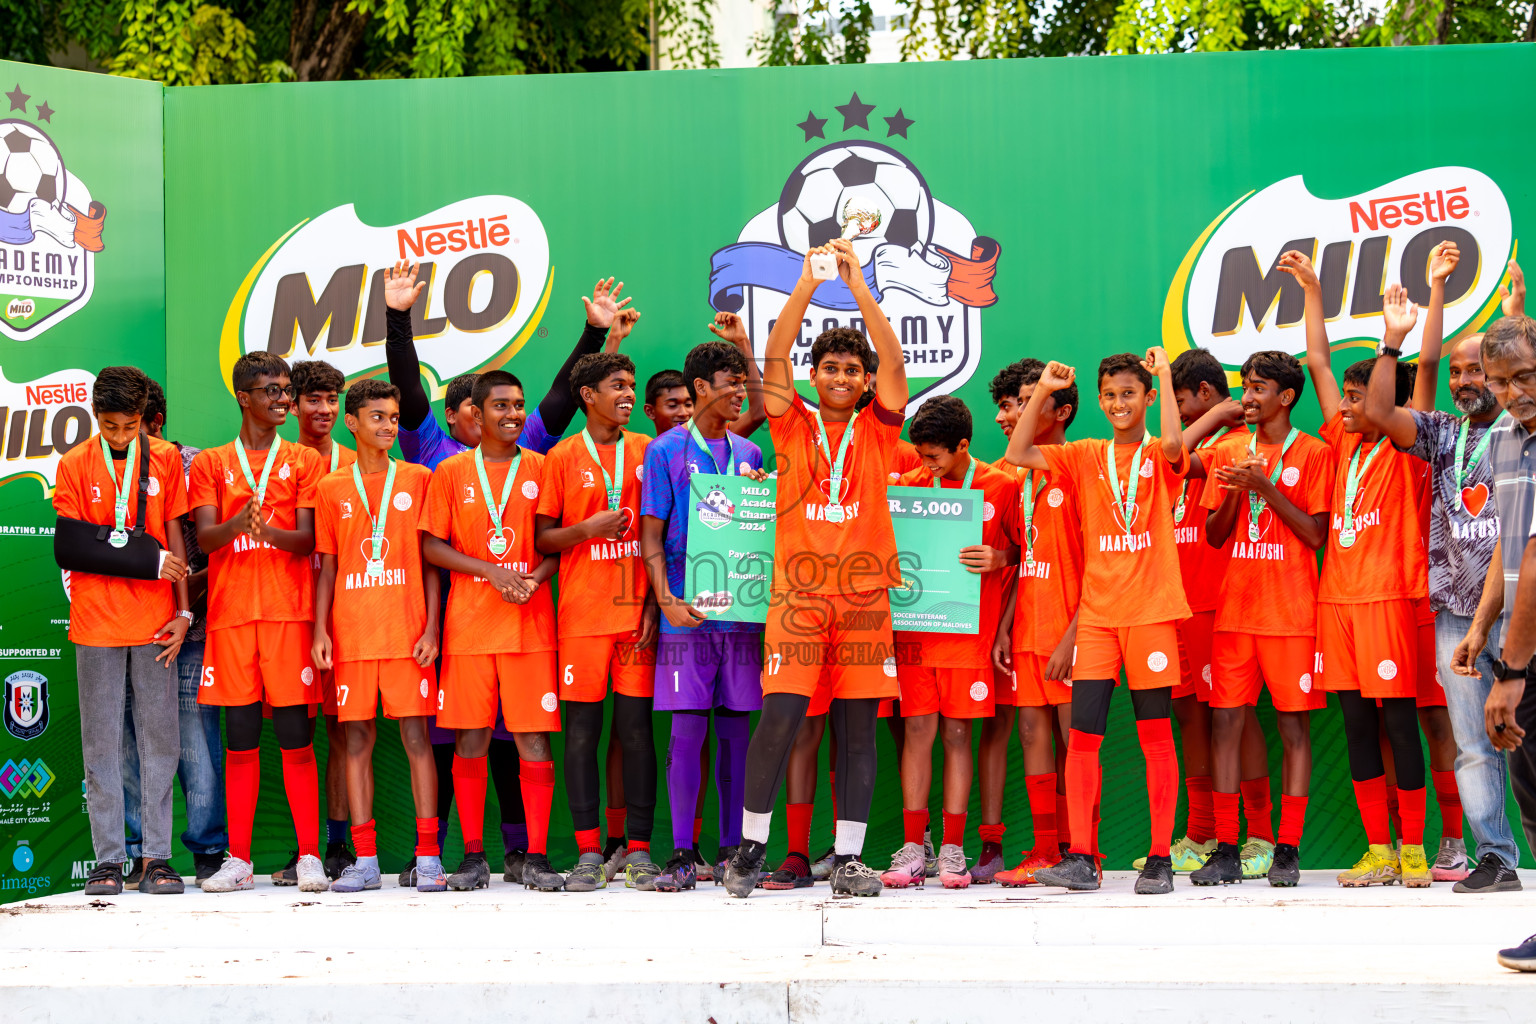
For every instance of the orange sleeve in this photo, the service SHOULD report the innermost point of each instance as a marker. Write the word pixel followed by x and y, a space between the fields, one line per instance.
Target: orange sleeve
pixel 552 490
pixel 175 485
pixel 1212 494
pixel 325 528
pixel 311 469
pixel 204 488
pixel 1333 430
pixel 437 518
pixel 1063 459
pixel 1178 467
pixel 1006 507
pixel 1319 472
pixel 68 489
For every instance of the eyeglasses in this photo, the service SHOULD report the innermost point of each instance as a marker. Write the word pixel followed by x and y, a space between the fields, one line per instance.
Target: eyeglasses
pixel 274 392
pixel 1525 381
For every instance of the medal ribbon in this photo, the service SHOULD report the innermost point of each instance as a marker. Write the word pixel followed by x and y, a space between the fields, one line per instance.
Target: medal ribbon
pixel 1256 504
pixel 336 461
pixel 1352 485
pixel 1128 503
pixel 120 493
pixel 1178 510
pixel 496 509
pixel 383 516
pixel 615 491
pixel 1463 467
pixel 730 450
pixel 835 480
pixel 1029 516
pixel 970 473
pixel 258 489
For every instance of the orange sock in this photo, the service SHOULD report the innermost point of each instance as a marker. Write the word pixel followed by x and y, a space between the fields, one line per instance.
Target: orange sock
pixel 426 837
pixel 365 839
pixel 536 780
pixel 1293 818
pixel 954 829
pixel 797 818
pixel 1371 795
pixel 1411 806
pixel 242 784
pixel 1224 810
pixel 588 841
pixel 1083 776
pixel 469 794
pixel 1448 796
pixel 1201 824
pixel 615 817
pixel 1258 806
pixel 1157 747
pixel 1043 810
pixel 912 825
pixel 1393 812
pixel 301 781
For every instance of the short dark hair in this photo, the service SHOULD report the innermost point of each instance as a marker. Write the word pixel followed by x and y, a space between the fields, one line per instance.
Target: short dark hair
pixel 155 406
pixel 1507 332
pixel 594 368
pixel 1011 377
pixel 460 388
pixel 314 375
pixel 843 341
pixel 254 364
pixel 489 381
pixel 662 380
pixel 1359 374
pixel 1281 367
pixel 707 359
pixel 1124 362
pixel 120 389
pixel 1033 370
pixel 871 368
pixel 943 420
pixel 1196 366
pixel 369 389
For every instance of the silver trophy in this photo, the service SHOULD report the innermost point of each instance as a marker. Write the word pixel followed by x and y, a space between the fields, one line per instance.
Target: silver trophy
pixel 860 217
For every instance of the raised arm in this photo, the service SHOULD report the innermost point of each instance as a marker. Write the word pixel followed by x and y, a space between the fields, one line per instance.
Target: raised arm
pixel 778 370
pixel 1022 450
pixel 400 292
pixel 558 406
pixel 1172 431
pixel 1442 260
pixel 1512 299
pixel 730 328
pixel 1381 407
pixel 1319 357
pixel 891 378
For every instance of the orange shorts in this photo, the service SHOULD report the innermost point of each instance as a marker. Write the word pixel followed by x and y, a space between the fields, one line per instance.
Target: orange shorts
pixel 1030 687
pixel 525 684
pixel 259 661
pixel 1195 656
pixel 587 662
pixel 1149 654
pixel 407 689
pixel 1241 663
pixel 328 703
pixel 1430 693
pixel 951 692
pixel 1372 647
pixel 849 635
pixel 821 700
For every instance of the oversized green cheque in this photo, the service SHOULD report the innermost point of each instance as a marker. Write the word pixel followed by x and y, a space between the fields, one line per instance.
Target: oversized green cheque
pixel 937 593
pixel 729 572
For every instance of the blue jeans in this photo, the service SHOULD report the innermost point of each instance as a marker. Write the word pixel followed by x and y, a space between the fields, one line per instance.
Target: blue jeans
pixel 1481 771
pixel 200 769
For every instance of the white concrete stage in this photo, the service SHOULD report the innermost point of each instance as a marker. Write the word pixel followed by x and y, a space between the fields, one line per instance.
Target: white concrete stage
pixel 1240 955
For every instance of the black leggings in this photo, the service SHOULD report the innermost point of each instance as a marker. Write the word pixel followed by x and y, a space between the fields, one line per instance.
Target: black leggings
pixel 293 727
pixel 632 725
pixel 506 775
pixel 853 729
pixel 1362 731
pixel 768 751
pixel 1090 704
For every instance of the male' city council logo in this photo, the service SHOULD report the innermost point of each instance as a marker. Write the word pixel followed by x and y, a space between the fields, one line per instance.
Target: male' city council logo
pixel 927 267
pixel 26 704
pixel 50 227
pixel 22 779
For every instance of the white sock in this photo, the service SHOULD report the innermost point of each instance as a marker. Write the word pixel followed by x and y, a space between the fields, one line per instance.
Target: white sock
pixel 848 839
pixel 755 826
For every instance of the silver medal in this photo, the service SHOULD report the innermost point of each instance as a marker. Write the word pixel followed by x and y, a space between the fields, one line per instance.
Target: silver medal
pixel 1253 532
pixel 834 513
pixel 1347 537
pixel 118 538
pixel 498 545
pixel 376 568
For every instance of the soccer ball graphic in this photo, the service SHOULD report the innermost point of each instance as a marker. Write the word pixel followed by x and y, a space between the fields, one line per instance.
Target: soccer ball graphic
pixel 30 168
pixel 717 500
pixel 814 194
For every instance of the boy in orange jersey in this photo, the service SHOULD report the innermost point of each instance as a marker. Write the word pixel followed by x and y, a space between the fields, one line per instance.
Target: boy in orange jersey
pixel 499 642
pixel 1037 633
pixel 122 628
pixel 1131 595
pixel 1373 575
pixel 1269 493
pixel 373 598
pixel 945 676
pixel 253 500
pixel 589 515
pixel 835 557
pixel 317 386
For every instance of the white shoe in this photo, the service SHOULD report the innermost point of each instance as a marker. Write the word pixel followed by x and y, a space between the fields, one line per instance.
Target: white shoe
pixel 311 874
pixel 233 874
pixel 952 870
pixel 906 868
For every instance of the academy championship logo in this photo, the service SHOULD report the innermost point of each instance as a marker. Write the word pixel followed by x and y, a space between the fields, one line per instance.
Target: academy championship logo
pixel 716 510
pixel 50 227
pixel 927 267
pixel 318 292
pixel 40 420
pixel 26 704
pixel 1229 297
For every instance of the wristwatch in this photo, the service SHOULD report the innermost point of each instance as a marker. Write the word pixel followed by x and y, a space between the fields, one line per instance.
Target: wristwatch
pixel 1503 672
pixel 1383 349
pixel 185 614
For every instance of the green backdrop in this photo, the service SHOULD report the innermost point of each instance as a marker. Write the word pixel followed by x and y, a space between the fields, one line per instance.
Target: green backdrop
pixel 1057 208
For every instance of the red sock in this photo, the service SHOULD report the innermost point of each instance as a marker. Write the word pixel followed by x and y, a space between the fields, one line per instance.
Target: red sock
pixel 1201 826
pixel 1224 806
pixel 469 794
pixel 1448 796
pixel 1393 812
pixel 698 827
pixel 365 839
pixel 954 829
pixel 1157 747
pixel 242 784
pixel 1259 807
pixel 301 781
pixel 1083 773
pixel 615 816
pixel 991 835
pixel 1063 819
pixel 536 779
pixel 1371 795
pixel 426 838
pixel 1043 810
pixel 637 844
pixel 797 817
pixel 1411 802
pixel 588 840
pixel 912 825
pixel 1293 818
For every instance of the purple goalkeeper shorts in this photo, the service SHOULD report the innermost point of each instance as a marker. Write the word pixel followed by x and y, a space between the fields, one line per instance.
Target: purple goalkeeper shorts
pixel 704 671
